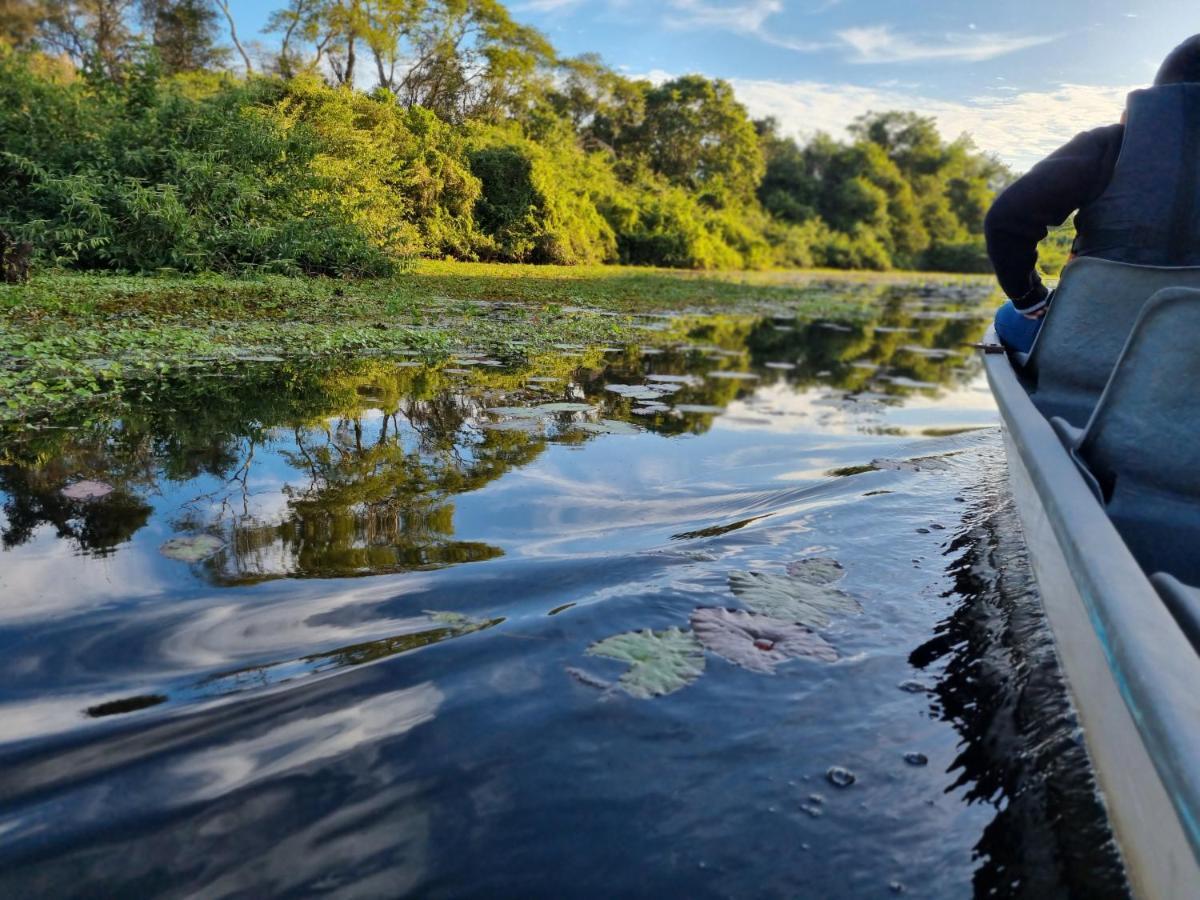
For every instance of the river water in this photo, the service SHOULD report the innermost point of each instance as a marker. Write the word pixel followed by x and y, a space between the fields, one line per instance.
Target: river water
pixel 743 612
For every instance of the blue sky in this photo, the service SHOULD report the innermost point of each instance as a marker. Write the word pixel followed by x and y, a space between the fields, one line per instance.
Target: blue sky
pixel 1021 76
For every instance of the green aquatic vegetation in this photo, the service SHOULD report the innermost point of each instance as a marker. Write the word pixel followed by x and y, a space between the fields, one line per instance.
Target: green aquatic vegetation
pixel 660 662
pixel 791 599
pixel 757 642
pixel 817 570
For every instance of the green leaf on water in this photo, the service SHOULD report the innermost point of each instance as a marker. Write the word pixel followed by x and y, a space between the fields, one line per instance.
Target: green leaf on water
pixel 791 599
pixel 817 570
pixel 660 662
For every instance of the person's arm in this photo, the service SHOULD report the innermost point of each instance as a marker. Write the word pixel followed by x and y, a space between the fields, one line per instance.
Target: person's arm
pixel 1046 195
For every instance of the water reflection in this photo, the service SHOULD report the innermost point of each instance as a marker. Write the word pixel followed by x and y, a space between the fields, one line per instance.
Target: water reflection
pixel 246 713
pixel 1022 750
pixel 318 472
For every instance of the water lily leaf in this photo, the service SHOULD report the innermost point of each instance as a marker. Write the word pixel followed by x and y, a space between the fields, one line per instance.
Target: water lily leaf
pixel 756 642
pixel 633 391
pixel 192 548
pixel 609 426
pixel 791 599
pixel 733 376
pixel 817 570
pixel 533 412
pixel 698 408
pixel 689 380
pixel 660 662
pixel 87 490
pixel 551 408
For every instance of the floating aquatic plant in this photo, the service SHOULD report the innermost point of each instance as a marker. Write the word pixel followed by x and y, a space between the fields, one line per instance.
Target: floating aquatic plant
pixel 791 599
pixel 87 490
pixel 192 548
pixel 757 642
pixel 608 426
pixel 660 662
pixel 817 570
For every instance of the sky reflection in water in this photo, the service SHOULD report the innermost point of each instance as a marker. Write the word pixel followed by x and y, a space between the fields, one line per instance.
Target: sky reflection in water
pixel 270 719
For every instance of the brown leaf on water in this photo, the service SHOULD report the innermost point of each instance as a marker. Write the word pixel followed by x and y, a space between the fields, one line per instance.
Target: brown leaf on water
pixel 87 490
pixel 756 642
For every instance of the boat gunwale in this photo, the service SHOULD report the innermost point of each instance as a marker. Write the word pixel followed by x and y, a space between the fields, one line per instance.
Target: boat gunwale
pixel 1154 665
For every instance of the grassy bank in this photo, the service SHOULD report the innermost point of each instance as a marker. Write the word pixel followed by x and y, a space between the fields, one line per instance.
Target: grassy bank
pixel 68 339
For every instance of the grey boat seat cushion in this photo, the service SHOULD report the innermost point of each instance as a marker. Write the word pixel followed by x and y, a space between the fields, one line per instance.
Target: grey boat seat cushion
pixel 1094 308
pixel 1141 447
pixel 1184 603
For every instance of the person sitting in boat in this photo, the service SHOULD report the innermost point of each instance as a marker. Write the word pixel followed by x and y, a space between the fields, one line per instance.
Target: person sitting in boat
pixel 1135 185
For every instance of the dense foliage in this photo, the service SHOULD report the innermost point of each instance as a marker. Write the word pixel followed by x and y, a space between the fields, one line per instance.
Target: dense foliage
pixel 138 151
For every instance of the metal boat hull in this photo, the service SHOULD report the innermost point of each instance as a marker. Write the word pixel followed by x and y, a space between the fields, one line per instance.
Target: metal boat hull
pixel 1132 673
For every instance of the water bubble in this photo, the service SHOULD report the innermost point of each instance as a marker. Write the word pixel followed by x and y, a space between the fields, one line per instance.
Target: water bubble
pixel 814 812
pixel 916 759
pixel 840 777
pixel 913 687
pixel 922 531
pixel 896 887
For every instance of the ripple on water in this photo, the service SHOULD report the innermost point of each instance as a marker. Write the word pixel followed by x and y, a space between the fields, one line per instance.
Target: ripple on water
pixel 284 713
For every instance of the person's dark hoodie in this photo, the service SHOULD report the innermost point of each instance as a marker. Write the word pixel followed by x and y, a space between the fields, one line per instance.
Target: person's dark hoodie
pixel 1065 181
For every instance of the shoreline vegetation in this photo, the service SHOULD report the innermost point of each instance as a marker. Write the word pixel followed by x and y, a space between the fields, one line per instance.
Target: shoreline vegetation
pixel 133 141
pixel 77 342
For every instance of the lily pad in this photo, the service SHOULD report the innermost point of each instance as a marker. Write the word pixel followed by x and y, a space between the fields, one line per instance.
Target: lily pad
pixel 87 490
pixel 756 642
pixel 660 662
pixel 791 599
pixel 699 408
pixel 689 380
pixel 555 408
pixel 633 391
pixel 817 570
pixel 733 376
pixel 609 426
pixel 192 548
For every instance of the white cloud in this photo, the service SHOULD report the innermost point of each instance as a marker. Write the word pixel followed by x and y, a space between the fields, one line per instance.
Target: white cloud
pixel 545 5
pixel 1019 127
pixel 879 44
pixel 746 18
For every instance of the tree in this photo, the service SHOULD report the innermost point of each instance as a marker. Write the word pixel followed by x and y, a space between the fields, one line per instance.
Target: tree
pixel 184 32
pixel 460 58
pixel 598 103
pixel 233 36
pixel 19 20
pixel 90 32
pixel 696 134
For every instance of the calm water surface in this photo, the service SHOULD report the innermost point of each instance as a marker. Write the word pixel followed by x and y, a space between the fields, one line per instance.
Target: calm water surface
pixel 329 631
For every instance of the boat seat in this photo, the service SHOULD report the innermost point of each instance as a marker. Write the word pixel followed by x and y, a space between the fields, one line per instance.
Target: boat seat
pixel 1140 448
pixel 1093 311
pixel 1184 603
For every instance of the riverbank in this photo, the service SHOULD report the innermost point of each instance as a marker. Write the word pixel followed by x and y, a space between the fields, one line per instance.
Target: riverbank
pixel 70 339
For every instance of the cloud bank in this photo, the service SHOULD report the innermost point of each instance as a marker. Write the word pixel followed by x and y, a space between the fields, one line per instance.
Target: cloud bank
pixel 1019 127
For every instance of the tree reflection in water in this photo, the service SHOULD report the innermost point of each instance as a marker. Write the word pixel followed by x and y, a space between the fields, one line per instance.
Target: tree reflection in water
pixel 351 468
